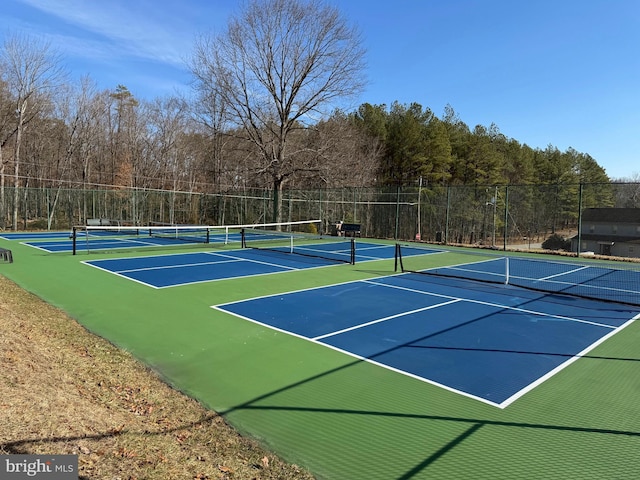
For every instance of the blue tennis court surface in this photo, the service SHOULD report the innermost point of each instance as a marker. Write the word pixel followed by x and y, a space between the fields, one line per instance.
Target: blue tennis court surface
pixel 161 271
pixel 61 241
pixel 491 343
pixel 601 281
pixel 182 269
pixel 19 236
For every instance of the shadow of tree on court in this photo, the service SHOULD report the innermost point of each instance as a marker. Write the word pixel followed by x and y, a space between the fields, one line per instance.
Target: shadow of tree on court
pixel 474 424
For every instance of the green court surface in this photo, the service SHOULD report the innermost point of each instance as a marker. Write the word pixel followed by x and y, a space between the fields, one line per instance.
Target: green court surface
pixel 340 417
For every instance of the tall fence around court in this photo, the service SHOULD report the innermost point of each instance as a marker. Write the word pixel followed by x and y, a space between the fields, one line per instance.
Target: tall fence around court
pixel 488 215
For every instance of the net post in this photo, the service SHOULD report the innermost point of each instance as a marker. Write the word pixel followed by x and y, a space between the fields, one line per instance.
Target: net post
pixel 243 238
pixel 74 236
pixel 506 270
pixel 398 259
pixel 207 240
pixel 395 258
pixel 353 251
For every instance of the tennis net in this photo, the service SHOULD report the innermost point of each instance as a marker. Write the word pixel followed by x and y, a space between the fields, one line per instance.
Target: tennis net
pixel 103 237
pixel 111 237
pixel 594 279
pixel 299 240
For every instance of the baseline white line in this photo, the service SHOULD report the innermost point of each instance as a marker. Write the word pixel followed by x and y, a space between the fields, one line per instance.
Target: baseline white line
pixel 407 374
pixel 502 405
pixel 359 357
pixel 391 317
pixel 35 246
pixel 564 365
pixel 88 262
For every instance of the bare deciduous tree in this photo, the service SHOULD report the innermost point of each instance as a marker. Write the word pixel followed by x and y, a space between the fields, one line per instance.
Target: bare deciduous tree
pixel 32 71
pixel 6 132
pixel 280 66
pixel 75 110
pixel 211 114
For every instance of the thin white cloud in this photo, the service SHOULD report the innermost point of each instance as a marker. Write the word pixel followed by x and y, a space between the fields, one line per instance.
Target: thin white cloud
pixel 139 43
pixel 117 28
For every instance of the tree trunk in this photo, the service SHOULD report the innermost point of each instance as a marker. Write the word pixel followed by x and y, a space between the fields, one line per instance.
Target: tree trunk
pixel 278 184
pixel 16 173
pixel 2 201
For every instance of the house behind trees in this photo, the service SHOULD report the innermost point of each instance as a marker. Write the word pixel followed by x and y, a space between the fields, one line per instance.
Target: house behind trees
pixel 609 231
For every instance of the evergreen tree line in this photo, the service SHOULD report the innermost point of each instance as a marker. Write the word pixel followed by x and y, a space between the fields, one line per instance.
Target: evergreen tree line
pixel 110 139
pixel 445 151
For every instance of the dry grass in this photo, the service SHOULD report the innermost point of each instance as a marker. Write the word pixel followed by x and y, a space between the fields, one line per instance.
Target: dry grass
pixel 66 391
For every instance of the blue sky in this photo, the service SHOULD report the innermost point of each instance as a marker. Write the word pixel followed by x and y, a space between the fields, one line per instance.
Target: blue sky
pixel 547 72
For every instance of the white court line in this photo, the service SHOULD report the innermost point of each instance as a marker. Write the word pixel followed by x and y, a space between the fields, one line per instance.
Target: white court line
pixel 481 272
pixel 391 317
pixel 227 259
pixel 355 355
pixel 459 265
pixel 496 305
pixel 580 285
pixel 342 252
pixel 231 259
pixel 371 246
pixel 259 262
pixel 361 251
pixel 564 365
pixel 562 273
pixel 33 245
pixel 113 272
pixel 451 300
pixel 162 267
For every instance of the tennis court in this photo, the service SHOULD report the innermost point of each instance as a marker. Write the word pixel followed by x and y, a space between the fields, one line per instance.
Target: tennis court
pixel 359 371
pixel 106 240
pixel 604 281
pixel 486 343
pixel 162 271
pixel 21 236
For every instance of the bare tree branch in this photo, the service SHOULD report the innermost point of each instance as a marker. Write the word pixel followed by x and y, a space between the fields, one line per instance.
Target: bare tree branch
pixel 280 66
pixel 32 71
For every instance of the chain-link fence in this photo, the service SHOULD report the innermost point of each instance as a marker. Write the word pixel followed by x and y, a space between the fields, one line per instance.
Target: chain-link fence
pixel 488 215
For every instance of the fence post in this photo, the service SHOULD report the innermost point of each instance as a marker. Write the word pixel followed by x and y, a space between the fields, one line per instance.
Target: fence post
pixel 446 225
pixel 397 211
pixel 579 221
pixel 506 216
